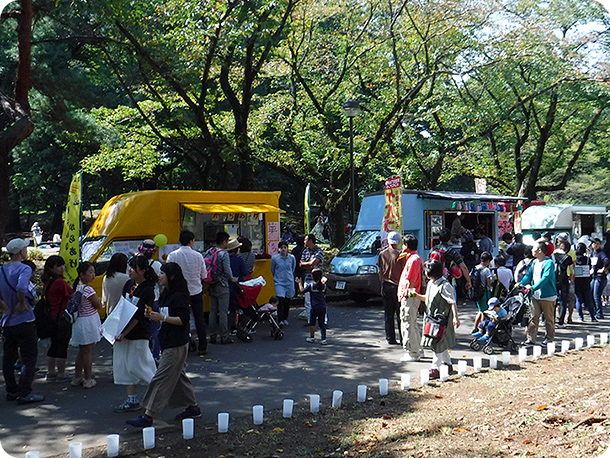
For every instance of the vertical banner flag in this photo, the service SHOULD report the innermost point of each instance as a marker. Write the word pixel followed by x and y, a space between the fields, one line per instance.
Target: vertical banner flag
pixel 392 215
pixel 306 211
pixel 70 236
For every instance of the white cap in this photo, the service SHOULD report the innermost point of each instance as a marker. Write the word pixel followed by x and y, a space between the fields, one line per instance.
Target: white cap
pixel 16 245
pixel 393 238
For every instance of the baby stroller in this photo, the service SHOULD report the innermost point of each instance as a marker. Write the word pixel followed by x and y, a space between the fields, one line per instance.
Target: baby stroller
pixel 502 335
pixel 250 314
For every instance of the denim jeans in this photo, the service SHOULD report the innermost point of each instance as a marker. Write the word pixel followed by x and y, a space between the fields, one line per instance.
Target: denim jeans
pixel 597 286
pixel 562 298
pixel 584 299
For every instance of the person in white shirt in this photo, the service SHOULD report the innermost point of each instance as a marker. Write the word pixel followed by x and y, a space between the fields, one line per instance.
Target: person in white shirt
pixel 193 268
pixel 505 275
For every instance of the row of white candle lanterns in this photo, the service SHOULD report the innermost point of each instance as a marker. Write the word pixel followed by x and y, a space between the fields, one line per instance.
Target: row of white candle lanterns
pixel 188 426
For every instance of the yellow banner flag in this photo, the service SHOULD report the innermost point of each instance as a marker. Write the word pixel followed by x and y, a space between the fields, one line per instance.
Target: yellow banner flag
pixel 70 243
pixel 392 215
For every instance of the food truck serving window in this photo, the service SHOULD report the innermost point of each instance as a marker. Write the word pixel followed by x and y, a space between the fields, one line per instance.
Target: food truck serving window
pixel 205 224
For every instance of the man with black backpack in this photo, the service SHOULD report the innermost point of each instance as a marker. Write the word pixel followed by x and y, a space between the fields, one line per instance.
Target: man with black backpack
pixel 480 292
pixel 562 261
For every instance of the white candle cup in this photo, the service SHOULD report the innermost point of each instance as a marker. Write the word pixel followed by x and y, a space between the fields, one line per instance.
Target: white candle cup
pixel 314 403
pixel 578 342
pixel 383 386
pixel 362 393
pixel 522 355
pixel 424 376
pixel 76 450
pixel 337 399
pixel 603 338
pixel 537 351
pixel 477 363
pixel 590 340
pixel 405 381
pixel 148 435
pixel 257 414
pixel 443 373
pixel 506 358
pixel 288 406
pixel 493 362
pixel 223 422
pixel 550 348
pixel 112 445
pixel 34 454
pixel 188 428
pixel 462 367
pixel 565 346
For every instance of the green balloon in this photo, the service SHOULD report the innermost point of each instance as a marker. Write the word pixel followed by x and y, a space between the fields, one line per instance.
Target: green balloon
pixel 160 240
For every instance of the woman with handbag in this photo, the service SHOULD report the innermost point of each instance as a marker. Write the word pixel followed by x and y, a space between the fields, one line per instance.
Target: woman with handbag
pixel 57 293
pixel 441 318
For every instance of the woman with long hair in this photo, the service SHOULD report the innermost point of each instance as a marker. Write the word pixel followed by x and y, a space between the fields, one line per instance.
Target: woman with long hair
pixel 114 281
pixel 57 292
pixel 170 387
pixel 86 329
pixel 132 362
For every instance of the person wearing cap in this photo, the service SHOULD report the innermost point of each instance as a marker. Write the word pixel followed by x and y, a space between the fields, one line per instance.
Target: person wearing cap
pixel 410 280
pixel 390 270
pixel 600 265
pixel 193 268
pixel 18 325
pixel 495 313
pixel 147 249
pixel 220 294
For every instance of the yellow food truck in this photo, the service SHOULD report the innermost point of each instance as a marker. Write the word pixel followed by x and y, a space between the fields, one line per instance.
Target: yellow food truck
pixel 127 219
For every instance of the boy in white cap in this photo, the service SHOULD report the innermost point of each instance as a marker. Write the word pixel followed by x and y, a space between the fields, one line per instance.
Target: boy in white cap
pixel 390 269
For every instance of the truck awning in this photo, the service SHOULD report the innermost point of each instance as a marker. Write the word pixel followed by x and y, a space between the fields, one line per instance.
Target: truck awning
pixel 233 208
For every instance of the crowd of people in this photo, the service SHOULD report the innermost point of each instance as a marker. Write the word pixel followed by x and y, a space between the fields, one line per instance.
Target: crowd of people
pixel 554 274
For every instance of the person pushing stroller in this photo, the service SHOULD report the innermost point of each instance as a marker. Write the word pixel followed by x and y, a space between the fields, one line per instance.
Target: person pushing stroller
pixel 494 314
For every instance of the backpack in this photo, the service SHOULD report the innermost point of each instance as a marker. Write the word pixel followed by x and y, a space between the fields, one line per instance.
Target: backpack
pixel 479 286
pixel 561 270
pixel 439 255
pixel 71 311
pixel 211 263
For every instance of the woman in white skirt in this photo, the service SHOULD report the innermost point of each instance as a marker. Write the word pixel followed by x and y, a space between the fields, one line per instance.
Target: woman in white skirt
pixel 132 361
pixel 86 328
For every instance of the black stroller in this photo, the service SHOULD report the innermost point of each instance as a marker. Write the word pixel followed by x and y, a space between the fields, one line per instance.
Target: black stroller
pixel 502 335
pixel 250 315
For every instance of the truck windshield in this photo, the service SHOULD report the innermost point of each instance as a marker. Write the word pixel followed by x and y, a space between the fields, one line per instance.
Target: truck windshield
pixel 362 242
pixel 90 246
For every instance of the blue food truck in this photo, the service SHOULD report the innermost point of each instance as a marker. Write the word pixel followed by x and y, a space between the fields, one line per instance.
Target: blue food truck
pixel 425 213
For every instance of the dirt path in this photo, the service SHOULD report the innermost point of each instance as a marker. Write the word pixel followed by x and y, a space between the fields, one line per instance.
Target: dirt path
pixel 553 407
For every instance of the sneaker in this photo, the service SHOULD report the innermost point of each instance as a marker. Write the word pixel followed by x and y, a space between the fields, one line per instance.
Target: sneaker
pixel 12 396
pixel 90 383
pixel 408 358
pixel 527 343
pixel 286 323
pixel 50 378
pixel 127 407
pixel 545 342
pixel 77 381
pixel 570 321
pixel 434 374
pixel 310 340
pixel 139 422
pixel 485 338
pixel 477 334
pixel 593 320
pixel 30 398
pixel 189 412
pixel 324 342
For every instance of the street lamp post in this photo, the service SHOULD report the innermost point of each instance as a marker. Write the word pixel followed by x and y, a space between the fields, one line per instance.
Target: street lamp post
pixel 351 109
